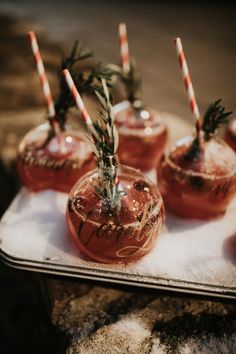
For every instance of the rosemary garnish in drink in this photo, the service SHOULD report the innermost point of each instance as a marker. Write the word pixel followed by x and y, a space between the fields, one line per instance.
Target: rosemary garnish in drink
pixel 132 81
pixel 103 139
pixel 64 100
pixel 214 116
pixel 133 84
pixel 84 81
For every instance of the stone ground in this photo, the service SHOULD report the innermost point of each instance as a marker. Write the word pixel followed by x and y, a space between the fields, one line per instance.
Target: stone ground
pixel 41 314
pixel 100 319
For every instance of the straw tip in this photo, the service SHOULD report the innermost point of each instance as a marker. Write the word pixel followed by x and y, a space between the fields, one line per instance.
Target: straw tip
pixel 66 73
pixel 31 34
pixel 122 27
pixel 176 39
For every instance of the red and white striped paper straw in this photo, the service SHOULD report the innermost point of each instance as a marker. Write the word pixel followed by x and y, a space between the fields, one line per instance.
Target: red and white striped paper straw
pixel 187 82
pixel 42 74
pixel 77 97
pixel 124 47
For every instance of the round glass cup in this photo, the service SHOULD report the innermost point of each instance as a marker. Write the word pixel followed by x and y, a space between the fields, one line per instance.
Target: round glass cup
pixel 120 236
pixel 196 195
pixel 54 163
pixel 141 140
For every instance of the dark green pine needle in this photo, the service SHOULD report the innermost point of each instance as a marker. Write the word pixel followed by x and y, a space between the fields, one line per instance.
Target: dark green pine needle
pixel 64 100
pixel 214 117
pixel 133 83
pixel 85 82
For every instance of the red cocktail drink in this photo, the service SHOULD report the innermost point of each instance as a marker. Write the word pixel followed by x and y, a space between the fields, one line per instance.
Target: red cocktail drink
pixel 142 137
pixel 200 184
pixel 53 162
pixel 119 235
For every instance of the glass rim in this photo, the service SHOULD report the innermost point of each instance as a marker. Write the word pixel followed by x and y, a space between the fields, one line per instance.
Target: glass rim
pixel 119 165
pixel 43 128
pixel 94 172
pixel 191 173
pixel 122 106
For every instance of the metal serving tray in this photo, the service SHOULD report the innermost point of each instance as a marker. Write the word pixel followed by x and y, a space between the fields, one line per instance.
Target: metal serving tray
pixel 190 256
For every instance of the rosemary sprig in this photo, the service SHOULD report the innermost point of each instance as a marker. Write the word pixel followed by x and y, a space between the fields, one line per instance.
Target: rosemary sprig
pixel 85 82
pixel 103 139
pixel 133 84
pixel 88 84
pixel 214 117
pixel 64 100
pixel 132 81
